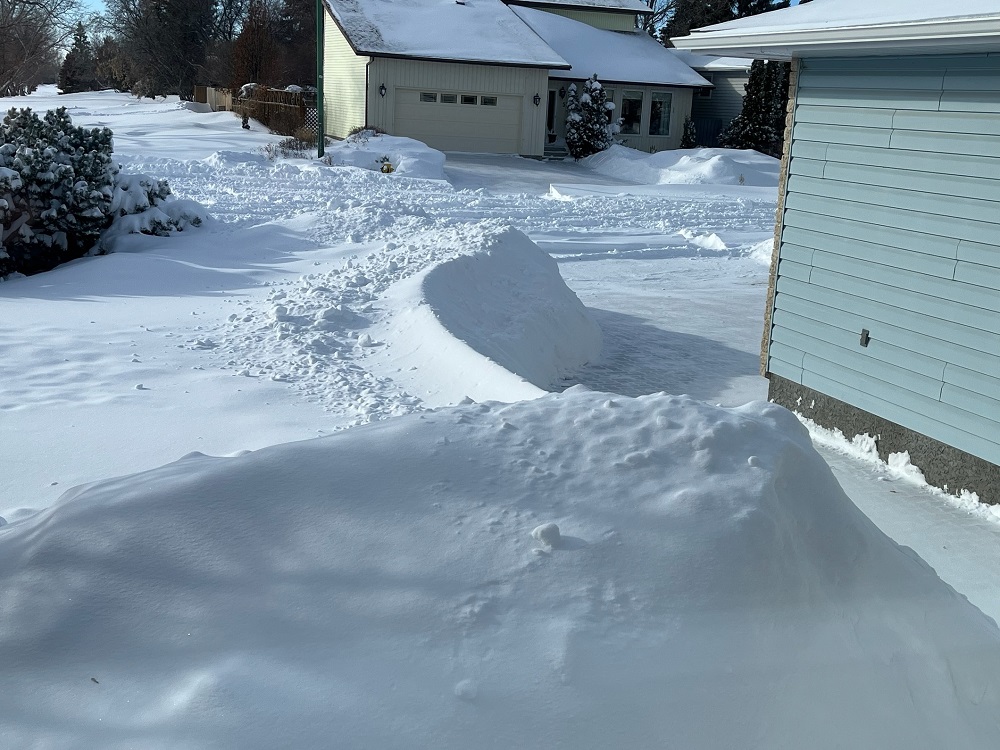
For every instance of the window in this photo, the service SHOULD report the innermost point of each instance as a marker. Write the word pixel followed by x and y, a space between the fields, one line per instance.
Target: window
pixel 706 92
pixel 659 114
pixel 488 101
pixel 427 97
pixel 467 99
pixel 449 98
pixel 631 112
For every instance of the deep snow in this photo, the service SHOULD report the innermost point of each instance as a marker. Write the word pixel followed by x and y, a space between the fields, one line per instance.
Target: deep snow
pixel 711 586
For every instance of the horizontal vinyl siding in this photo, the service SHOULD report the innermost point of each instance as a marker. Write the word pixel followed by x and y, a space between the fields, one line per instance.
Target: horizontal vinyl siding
pixel 343 83
pixel 892 224
pixel 598 19
pixel 726 100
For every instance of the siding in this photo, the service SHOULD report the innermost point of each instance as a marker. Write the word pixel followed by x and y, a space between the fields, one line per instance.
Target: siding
pixel 460 78
pixel 892 224
pixel 711 114
pixel 597 19
pixel 343 83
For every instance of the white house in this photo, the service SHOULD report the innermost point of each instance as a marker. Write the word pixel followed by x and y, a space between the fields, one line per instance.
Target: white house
pixel 884 309
pixel 491 76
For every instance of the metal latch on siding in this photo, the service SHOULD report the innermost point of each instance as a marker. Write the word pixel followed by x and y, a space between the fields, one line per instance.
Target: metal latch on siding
pixel 865 337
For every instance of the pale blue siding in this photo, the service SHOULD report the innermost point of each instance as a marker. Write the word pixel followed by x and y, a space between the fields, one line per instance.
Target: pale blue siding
pixel 892 224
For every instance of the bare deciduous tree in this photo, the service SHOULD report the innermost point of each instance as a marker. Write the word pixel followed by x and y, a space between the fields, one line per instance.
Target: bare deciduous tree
pixel 31 35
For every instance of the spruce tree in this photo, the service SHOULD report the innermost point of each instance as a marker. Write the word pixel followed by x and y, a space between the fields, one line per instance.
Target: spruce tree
pixel 590 123
pixel 689 139
pixel 79 69
pixel 760 125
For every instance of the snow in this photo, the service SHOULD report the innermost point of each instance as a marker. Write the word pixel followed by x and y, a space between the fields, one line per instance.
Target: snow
pixel 466 557
pixel 711 62
pixel 615 56
pixel 714 166
pixel 381 584
pixel 368 149
pixel 636 6
pixel 476 31
pixel 845 14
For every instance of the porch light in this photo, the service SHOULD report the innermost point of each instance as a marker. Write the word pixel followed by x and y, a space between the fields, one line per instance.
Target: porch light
pixel 381 90
pixel 536 99
pixel 562 92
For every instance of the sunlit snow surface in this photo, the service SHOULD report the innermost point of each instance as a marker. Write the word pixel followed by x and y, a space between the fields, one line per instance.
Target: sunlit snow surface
pixel 711 585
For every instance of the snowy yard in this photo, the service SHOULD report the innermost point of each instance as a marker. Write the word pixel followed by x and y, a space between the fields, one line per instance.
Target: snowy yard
pixel 509 327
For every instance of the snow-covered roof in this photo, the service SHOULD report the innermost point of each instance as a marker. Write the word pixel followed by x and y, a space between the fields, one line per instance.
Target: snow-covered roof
pixel 855 26
pixel 629 6
pixel 477 31
pixel 711 62
pixel 615 56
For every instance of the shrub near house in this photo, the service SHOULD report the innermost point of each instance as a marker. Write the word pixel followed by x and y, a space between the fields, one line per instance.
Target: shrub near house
pixel 60 190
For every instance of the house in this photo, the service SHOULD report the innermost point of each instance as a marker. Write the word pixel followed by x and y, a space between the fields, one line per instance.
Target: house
pixel 491 76
pixel 714 106
pixel 883 313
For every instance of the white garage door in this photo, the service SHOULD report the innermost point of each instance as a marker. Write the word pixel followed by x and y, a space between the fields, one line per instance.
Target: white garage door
pixel 457 121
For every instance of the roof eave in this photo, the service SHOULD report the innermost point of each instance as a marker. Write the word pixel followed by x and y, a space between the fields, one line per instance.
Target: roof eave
pixel 968 35
pixel 459 61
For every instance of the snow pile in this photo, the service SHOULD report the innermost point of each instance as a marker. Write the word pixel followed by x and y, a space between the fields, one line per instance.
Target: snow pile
pixel 710 166
pixel 508 302
pixel 370 150
pixel 486 284
pixel 403 585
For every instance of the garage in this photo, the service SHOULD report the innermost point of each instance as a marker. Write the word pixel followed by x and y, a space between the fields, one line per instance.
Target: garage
pixel 459 120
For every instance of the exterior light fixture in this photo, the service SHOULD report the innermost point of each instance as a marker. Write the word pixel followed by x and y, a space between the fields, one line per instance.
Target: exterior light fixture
pixel 381 90
pixel 562 92
pixel 536 99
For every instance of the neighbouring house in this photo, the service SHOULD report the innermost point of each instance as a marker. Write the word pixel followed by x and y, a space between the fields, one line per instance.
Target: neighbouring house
pixel 883 315
pixel 491 76
pixel 714 106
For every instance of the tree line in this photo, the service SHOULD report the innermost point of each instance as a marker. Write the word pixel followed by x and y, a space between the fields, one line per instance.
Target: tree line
pixel 156 47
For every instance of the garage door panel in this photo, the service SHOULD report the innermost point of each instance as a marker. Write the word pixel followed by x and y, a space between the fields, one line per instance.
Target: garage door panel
pixel 460 127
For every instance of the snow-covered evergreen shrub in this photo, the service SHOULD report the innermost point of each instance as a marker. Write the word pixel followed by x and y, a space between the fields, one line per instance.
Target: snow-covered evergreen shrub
pixel 590 123
pixel 760 125
pixel 60 189
pixel 689 139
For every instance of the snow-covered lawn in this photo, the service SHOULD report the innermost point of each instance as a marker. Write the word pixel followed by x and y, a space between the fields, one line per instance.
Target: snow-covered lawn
pixel 711 585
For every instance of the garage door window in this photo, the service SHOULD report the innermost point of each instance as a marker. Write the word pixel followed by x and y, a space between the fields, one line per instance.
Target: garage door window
pixel 488 101
pixel 427 97
pixel 466 99
pixel 449 98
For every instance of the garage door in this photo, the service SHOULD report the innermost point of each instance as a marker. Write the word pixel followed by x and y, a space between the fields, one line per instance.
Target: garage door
pixel 460 121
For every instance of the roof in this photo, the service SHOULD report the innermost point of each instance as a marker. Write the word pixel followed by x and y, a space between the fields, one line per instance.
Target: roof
pixel 712 63
pixel 478 31
pixel 620 6
pixel 615 56
pixel 841 27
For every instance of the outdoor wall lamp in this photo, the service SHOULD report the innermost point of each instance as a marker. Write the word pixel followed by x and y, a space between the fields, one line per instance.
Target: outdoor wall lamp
pixel 536 99
pixel 381 90
pixel 562 92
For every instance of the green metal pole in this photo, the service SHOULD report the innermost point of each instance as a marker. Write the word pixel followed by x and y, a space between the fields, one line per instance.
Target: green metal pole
pixel 320 123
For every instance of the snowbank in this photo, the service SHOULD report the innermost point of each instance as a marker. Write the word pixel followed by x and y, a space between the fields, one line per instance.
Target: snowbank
pixel 507 300
pixel 714 166
pixel 398 585
pixel 409 158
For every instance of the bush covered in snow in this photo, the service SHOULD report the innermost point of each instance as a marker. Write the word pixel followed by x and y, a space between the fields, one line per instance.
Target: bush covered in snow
pixel 590 126
pixel 60 190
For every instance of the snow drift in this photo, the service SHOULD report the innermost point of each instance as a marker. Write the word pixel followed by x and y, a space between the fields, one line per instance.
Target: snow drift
pixel 507 300
pixel 408 157
pixel 709 586
pixel 714 166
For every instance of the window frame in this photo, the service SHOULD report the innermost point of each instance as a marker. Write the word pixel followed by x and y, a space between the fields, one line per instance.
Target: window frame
pixel 428 97
pixel 465 97
pixel 627 97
